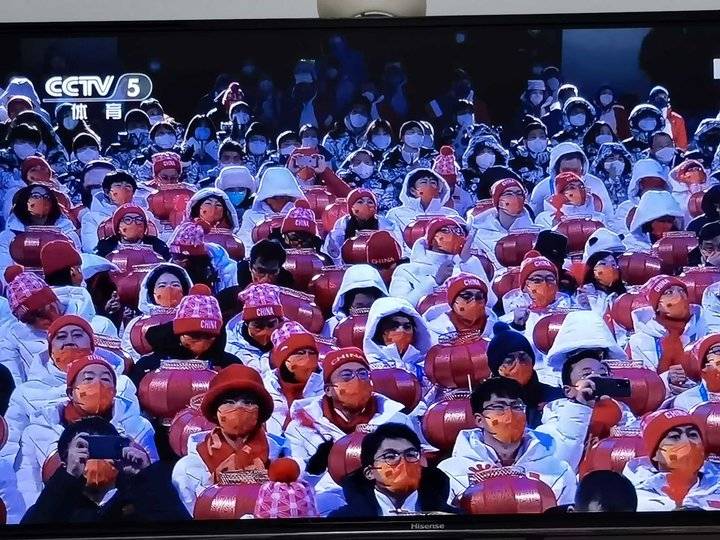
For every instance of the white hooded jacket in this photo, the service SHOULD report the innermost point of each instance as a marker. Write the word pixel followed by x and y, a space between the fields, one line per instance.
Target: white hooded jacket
pixel 439 323
pixel 711 307
pixel 652 205
pixel 490 231
pixel 547 220
pixel 101 209
pixel 248 353
pixel 643 168
pixel 313 387
pixel 203 194
pixel 536 455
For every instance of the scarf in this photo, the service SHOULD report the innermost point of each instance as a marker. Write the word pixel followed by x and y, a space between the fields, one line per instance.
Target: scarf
pixel 348 426
pixel 71 414
pixel 220 455
pixel 461 325
pixel 672 350
pixel 291 391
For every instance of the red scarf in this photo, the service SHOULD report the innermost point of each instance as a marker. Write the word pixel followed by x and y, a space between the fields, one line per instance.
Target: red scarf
pixel 672 351
pixel 219 455
pixel 291 391
pixel 71 414
pixel 461 325
pixel 348 426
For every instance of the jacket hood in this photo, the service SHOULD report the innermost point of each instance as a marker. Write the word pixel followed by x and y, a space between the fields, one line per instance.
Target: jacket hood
pixel 276 181
pixel 102 205
pixel 484 141
pixel 652 205
pixel 20 86
pixel 706 125
pixel 606 149
pixel 645 476
pixel 358 276
pixel 710 199
pixel 563 149
pixel 77 301
pixel 582 102
pixel 382 307
pixel 146 302
pixel 644 321
pixel 644 168
pixel 413 202
pixel 582 330
pixel 711 299
pixel 203 194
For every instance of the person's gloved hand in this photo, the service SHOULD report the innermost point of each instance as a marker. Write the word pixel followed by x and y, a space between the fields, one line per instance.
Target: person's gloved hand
pixel 318 463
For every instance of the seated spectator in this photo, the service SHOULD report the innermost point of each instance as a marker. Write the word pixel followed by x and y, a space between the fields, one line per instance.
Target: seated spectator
pixel 130 228
pixel 605 491
pixel 571 199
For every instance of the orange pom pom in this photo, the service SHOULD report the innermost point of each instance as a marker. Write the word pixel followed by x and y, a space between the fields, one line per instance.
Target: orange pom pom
pixel 11 272
pixel 302 203
pixel 200 290
pixel 284 470
pixel 532 254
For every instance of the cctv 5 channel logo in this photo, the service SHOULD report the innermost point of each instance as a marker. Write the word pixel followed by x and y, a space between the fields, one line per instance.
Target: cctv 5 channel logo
pixel 96 88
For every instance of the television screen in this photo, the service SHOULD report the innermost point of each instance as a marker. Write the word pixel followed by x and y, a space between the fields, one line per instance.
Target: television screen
pixel 376 275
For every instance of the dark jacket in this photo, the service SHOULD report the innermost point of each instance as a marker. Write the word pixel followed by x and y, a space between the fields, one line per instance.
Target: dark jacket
pixel 108 245
pixel 7 385
pixel 148 497
pixel 535 395
pixel 361 502
pixel 709 207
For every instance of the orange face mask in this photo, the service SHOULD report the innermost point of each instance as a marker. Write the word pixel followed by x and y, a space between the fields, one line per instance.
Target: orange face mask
pixel 711 373
pixel 606 275
pixel 575 196
pixel 302 365
pixel 354 394
pixel 121 195
pixel 522 372
pixel 508 426
pixel 470 310
pixel 211 213
pixel 238 420
pixel 168 297
pixel 196 346
pixel 64 357
pixel 131 232
pixel 39 207
pixel 261 336
pixel 659 228
pixel 400 338
pixel 685 458
pixel 100 473
pixel 401 479
pixel 676 306
pixel 512 204
pixel 448 243
pixel 363 212
pixel 93 397
pixel 542 294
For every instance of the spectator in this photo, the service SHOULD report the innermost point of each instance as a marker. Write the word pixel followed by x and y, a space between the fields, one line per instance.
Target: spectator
pixel 605 491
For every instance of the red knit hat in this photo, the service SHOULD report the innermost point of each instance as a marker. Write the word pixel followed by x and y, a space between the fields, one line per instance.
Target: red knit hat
pixel 198 313
pixel 32 162
pixel 236 378
pixel 654 426
pixel 338 358
pixel 285 496
pixel 81 363
pixel 13 271
pixel 59 255
pixel 67 320
pixel 189 238
pixel 461 282
pixel 122 211
pixel 563 179
pixel 300 219
pixel 359 193
pixel 261 300
pixel 27 293
pixel 499 187
pixel 436 224
pixel 287 339
pixel 445 165
pixel 166 160
pixel 533 262
pixel 381 248
pixel 657 286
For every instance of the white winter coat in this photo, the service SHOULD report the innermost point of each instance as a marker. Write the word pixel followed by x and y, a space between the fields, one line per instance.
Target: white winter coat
pixel 439 323
pixel 313 387
pixel 643 168
pixel 336 238
pixel 652 205
pixel 711 307
pixel 490 231
pixel 248 353
pixel 101 209
pixel 204 193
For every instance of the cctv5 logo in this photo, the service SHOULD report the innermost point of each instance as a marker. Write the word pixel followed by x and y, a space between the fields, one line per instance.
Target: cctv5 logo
pixel 96 88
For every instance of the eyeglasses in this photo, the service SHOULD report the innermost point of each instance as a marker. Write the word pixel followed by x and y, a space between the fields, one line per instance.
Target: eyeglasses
pixel 512 358
pixel 168 178
pixel 261 324
pixel 262 271
pixel 426 182
pixel 243 403
pixel 392 457
pixel 452 230
pixel 38 196
pixel 129 220
pixel 513 193
pixel 537 280
pixel 517 406
pixel 347 375
pixel 396 325
pixel 468 296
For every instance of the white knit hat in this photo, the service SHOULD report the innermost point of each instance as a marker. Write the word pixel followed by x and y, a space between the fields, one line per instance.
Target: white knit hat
pixel 235 176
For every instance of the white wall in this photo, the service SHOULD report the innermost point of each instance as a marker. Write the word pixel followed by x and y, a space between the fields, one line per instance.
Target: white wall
pixel 79 10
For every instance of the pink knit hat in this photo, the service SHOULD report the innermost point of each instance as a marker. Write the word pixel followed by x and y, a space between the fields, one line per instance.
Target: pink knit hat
pixel 261 300
pixel 27 293
pixel 287 339
pixel 285 496
pixel 445 165
pixel 300 219
pixel 189 238
pixel 198 313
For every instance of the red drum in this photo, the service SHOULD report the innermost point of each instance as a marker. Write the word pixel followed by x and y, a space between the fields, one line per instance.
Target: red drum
pixel 398 385
pixel 506 490
pixel 325 285
pixel 577 230
pixel 127 257
pixel 301 308
pixel 140 328
pixel 232 497
pixel 673 249
pixel 225 238
pixel 458 359
pixel 445 419
pixel 186 423
pixel 351 331
pixel 344 456
pixel 636 268
pixel 25 247
pixel 647 390
pixel 511 249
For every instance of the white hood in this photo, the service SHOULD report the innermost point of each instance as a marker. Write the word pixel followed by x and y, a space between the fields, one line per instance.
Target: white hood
pixel 383 307
pixel 94 264
pixel 77 301
pixel 20 86
pixel 561 150
pixel 276 181
pixel 711 299
pixel 203 194
pixel 358 276
pixel 413 202
pixel 102 205
pixel 146 303
pixel 488 220
pixel 582 330
pixel 644 168
pixel 654 204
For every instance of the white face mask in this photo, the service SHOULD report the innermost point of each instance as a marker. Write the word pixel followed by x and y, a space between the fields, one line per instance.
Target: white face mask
pixel 606 99
pixel 413 140
pixel 485 161
pixel 577 120
pixel 310 142
pixel 166 140
pixel 536 99
pixel 257 147
pixel 647 124
pixel 69 123
pixel 381 141
pixel 23 150
pixel 466 119
pixel 537 145
pixel 358 120
pixel 287 150
pixel 603 138
pixel 363 170
pixel 87 154
pixel 241 118
pixel 614 167
pixel 156 119
pixel 665 155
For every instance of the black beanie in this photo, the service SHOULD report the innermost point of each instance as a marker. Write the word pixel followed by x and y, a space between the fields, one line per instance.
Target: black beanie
pixel 504 342
pixel 552 245
pixel 709 231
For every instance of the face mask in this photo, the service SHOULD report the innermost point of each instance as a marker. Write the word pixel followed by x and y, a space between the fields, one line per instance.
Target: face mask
pixel 93 397
pixel 606 99
pixel 537 145
pixel 542 294
pixel 451 244
pixel 197 346
pixel 166 140
pixel 512 204
pixel 413 140
pixel 363 170
pixel 212 214
pixel 614 168
pixel 381 141
pixel 202 133
pixel 675 306
pixel 665 155
pixel 100 473
pixel 241 119
pixel 401 479
pixel 257 147
pixel 64 357
pixel 23 150
pixel 238 421
pixel 287 150
pixel 261 336
pixel 603 138
pixel 466 119
pixel 606 276
pixel 121 195
pixel 168 297
pixel 354 395
pixel 536 99
pixel 156 118
pixel 401 339
pixel 575 196
pixel 647 124
pixel 131 232
pixel 69 123
pixel 684 457
pixel 660 103
pixel 553 84
pixel 237 197
pixel 485 161
pixel 39 207
pixel 522 372
pixel 302 366
pixel 358 120
pixel 363 212
pixel 577 120
pixel 471 310
pixel 659 228
pixel 87 155
pixel 310 142
pixel 508 427
pixel 711 373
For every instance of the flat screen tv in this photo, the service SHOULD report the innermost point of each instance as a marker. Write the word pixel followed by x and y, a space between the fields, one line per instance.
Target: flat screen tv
pixel 443 276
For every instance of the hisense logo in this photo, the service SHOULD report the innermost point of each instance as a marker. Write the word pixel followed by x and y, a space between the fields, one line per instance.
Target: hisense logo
pixel 418 526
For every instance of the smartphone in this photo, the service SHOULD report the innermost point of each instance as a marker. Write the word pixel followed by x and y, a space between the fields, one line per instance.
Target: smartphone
pixel 106 446
pixel 611 387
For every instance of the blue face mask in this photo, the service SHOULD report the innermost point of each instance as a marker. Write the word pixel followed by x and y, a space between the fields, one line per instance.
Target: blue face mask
pixel 202 133
pixel 237 197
